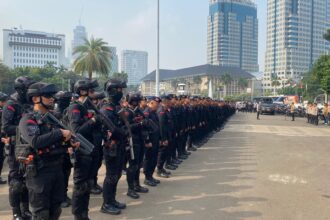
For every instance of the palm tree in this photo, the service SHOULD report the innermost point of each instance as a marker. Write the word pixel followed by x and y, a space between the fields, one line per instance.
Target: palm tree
pixel 93 56
pixel 242 83
pixel 275 83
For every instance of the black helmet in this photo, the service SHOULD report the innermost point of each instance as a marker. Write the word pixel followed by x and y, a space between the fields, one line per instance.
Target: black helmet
pixel 134 97
pixel 41 89
pixel 98 95
pixel 63 95
pixel 114 84
pixel 93 84
pixel 23 83
pixel 3 97
pixel 81 85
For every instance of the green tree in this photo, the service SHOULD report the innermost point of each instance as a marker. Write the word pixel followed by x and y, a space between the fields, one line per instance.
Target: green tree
pixel 93 57
pixel 7 78
pixel 174 83
pixel 121 76
pixel 242 83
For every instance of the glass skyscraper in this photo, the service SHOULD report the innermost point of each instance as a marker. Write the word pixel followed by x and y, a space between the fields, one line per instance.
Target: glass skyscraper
pixel 233 34
pixel 295 41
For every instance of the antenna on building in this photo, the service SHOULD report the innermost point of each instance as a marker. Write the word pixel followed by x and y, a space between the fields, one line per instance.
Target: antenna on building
pixel 81 12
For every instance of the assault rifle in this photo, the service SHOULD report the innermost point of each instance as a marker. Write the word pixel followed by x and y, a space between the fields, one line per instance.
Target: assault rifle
pixel 85 147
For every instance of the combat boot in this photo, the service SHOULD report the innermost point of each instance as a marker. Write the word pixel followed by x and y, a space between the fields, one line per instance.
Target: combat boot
pixel 149 182
pixel 110 209
pixel 2 181
pixel 140 189
pixel 118 205
pixel 155 180
pixel 131 193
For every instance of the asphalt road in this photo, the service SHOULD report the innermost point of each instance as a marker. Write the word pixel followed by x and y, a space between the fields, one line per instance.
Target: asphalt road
pixel 268 169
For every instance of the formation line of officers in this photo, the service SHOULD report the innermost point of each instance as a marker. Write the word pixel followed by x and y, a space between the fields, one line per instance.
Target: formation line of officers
pixel 45 133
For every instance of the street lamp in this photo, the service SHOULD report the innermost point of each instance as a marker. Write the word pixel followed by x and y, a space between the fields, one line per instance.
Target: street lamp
pixel 157 71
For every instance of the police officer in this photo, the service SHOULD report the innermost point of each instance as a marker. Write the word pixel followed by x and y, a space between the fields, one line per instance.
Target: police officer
pixel 12 113
pixel 152 152
pixel 44 154
pixel 3 100
pixel 97 99
pixel 84 123
pixel 141 140
pixel 63 99
pixel 114 146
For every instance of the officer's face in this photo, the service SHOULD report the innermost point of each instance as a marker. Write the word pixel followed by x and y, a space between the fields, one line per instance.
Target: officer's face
pixel 83 92
pixel 153 105
pixel 91 92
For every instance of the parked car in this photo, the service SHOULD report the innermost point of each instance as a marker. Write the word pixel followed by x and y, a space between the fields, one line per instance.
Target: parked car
pixel 267 106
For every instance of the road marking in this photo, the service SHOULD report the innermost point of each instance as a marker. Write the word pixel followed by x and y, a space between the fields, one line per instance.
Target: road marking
pixel 285 179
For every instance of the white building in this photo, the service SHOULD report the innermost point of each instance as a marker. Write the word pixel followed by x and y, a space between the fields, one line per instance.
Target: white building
pixel 233 34
pixel 25 48
pixel 79 34
pixel 113 60
pixel 135 64
pixel 295 41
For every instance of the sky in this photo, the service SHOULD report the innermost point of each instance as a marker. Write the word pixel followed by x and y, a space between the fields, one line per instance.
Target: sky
pixel 128 24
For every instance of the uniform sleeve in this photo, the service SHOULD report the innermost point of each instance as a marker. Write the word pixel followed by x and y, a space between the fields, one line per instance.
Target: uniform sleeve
pixel 162 126
pixel 78 123
pixel 8 115
pixel 30 132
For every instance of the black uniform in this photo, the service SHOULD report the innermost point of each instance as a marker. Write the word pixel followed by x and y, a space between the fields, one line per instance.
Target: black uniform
pixel 18 194
pixel 114 153
pixel 80 122
pixel 2 154
pixel 151 153
pixel 135 118
pixel 46 186
pixel 164 136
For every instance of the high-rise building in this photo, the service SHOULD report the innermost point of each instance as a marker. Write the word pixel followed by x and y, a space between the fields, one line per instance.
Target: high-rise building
pixel 233 34
pixel 295 41
pixel 25 48
pixel 113 60
pixel 79 34
pixel 135 64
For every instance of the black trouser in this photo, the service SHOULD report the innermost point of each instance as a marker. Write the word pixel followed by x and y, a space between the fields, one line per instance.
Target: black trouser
pixel 46 191
pixel 258 113
pixel 97 157
pixel 170 148
pixel 150 161
pixel 114 165
pixel 2 156
pixel 18 193
pixel 134 166
pixel 162 155
pixel 292 115
pixel 82 184
pixel 67 166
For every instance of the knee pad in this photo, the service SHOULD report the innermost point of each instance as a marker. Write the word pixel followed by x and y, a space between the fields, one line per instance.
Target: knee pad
pixel 42 215
pixel 55 215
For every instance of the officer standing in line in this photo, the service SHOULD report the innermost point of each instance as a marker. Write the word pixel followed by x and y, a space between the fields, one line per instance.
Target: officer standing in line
pixel 44 155
pixel 63 99
pixel 114 147
pixel 141 140
pixel 97 98
pixel 164 133
pixel 11 115
pixel 3 100
pixel 97 139
pixel 152 152
pixel 80 121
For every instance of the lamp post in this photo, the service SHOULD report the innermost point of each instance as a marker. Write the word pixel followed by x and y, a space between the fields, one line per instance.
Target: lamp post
pixel 157 71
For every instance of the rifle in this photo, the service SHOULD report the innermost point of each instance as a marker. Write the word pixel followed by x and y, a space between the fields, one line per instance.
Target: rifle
pixel 104 119
pixel 85 147
pixel 121 114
